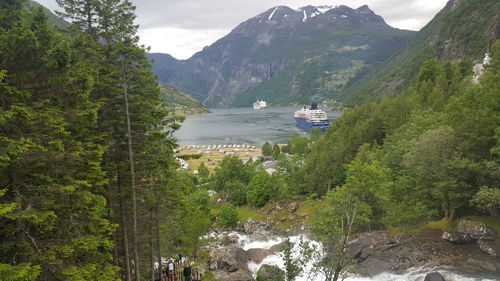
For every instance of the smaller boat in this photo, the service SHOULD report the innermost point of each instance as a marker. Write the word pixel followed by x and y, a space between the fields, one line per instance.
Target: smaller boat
pixel 309 118
pixel 260 104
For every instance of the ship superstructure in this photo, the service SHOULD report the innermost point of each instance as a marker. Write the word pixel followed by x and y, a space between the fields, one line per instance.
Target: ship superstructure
pixel 309 118
pixel 260 104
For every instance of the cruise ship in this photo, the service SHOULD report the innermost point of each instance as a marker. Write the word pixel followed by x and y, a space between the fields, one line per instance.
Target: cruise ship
pixel 260 104
pixel 308 118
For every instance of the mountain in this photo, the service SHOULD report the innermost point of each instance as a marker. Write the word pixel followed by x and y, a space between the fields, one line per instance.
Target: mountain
pixel 181 102
pixel 285 56
pixel 460 31
pixel 52 18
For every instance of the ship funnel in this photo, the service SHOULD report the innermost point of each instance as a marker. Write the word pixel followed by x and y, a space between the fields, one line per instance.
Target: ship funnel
pixel 314 106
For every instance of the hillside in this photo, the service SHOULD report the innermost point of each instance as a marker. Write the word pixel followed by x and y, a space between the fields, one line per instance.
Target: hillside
pixel 181 102
pixel 285 56
pixel 53 19
pixel 460 31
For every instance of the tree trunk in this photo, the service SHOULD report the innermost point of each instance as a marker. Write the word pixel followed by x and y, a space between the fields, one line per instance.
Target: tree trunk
pixel 151 245
pixel 158 245
pixel 124 228
pixel 132 176
pixel 336 275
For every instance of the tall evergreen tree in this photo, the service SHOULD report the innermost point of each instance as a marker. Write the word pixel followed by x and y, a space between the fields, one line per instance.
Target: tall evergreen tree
pixel 49 161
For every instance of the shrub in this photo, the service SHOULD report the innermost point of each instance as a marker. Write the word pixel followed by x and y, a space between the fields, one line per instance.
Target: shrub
pixel 228 215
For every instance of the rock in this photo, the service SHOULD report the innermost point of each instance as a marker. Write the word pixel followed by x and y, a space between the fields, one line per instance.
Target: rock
pixel 293 207
pixel 258 255
pixel 492 248
pixel 249 226
pixel 482 264
pixel 367 243
pixel 228 259
pixel 476 230
pixel 257 228
pixel 240 275
pixel 270 272
pixel 366 252
pixel 276 248
pixel 457 237
pixel 434 276
pixel 229 239
pixel 230 264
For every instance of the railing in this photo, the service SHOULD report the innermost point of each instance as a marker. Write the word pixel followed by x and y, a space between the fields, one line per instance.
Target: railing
pixel 177 274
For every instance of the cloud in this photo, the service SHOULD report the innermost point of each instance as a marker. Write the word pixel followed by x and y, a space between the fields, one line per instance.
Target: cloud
pixel 183 27
pixel 182 43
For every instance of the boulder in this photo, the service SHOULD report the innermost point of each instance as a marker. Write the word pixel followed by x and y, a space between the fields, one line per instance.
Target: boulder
pixel 257 228
pixel 492 248
pixel 457 237
pixel 276 248
pixel 228 259
pixel 476 230
pixel 230 264
pixel 270 273
pixel 240 275
pixel 367 243
pixel 434 276
pixel 258 255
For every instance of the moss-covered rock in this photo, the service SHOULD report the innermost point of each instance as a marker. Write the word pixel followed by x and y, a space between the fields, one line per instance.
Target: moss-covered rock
pixel 270 273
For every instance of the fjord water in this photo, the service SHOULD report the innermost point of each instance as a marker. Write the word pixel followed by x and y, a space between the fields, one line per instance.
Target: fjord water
pixel 241 126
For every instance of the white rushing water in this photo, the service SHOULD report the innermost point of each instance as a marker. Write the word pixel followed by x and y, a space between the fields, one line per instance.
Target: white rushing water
pixel 413 274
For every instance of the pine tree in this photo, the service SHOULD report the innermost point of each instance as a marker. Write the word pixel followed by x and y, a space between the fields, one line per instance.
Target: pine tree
pixel 49 161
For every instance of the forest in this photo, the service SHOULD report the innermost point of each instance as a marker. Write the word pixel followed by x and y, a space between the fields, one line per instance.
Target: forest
pixel 86 164
pixel 89 188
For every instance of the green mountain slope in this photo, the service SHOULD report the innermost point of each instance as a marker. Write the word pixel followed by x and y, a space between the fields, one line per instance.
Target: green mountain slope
pixel 181 102
pixel 53 19
pixel 460 31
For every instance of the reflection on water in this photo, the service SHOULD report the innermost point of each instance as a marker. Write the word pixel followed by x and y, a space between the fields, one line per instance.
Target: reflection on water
pixel 241 126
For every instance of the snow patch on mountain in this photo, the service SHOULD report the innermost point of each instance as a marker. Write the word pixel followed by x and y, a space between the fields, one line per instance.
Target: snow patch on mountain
pixel 272 14
pixel 305 17
pixel 325 8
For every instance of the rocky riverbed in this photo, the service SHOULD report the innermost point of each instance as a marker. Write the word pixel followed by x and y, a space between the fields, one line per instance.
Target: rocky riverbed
pixel 380 255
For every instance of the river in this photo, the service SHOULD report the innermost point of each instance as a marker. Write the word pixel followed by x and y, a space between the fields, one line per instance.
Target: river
pixel 241 126
pixel 412 274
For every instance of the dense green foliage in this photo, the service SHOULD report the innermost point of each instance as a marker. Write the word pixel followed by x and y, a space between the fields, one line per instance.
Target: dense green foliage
pixel 418 156
pixel 52 19
pixel 227 215
pixel 89 187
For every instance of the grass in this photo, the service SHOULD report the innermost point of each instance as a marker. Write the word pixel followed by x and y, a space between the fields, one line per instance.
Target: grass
pixel 443 224
pixel 246 212
pixel 304 210
pixel 494 223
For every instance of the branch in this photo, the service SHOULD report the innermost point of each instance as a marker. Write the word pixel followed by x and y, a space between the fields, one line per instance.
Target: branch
pixel 32 241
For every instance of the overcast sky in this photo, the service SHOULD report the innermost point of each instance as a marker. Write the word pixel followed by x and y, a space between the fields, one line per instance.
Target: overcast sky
pixel 183 27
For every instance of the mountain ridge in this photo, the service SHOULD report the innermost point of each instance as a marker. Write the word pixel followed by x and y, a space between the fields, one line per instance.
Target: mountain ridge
pixel 460 31
pixel 269 56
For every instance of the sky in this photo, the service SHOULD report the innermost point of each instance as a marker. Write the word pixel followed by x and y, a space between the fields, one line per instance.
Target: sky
pixel 183 27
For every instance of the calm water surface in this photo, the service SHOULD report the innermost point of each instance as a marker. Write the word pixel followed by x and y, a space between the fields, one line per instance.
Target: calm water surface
pixel 241 126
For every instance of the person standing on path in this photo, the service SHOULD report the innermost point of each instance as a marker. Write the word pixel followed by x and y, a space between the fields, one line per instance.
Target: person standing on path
pixel 187 272
pixel 171 269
